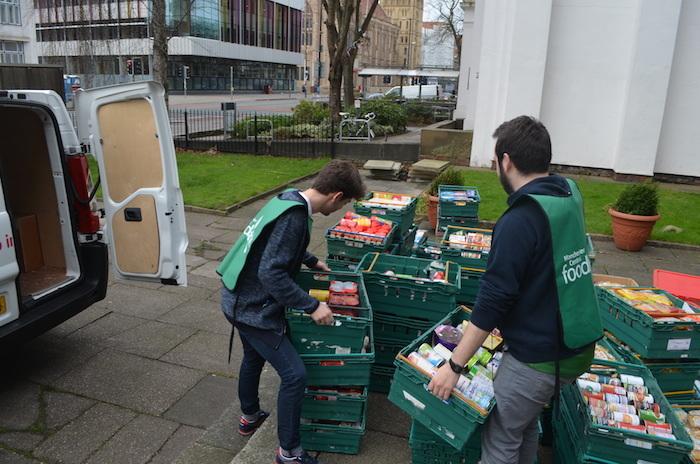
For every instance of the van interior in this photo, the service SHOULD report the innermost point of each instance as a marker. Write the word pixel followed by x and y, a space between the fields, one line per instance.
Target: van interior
pixel 31 172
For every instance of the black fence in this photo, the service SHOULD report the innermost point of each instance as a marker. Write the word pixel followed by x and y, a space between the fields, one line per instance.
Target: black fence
pixel 253 132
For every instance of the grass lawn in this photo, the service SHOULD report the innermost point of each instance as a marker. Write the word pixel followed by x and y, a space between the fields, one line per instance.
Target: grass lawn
pixel 220 180
pixel 677 207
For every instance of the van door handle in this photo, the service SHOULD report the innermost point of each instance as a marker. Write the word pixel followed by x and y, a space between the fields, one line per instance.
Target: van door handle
pixel 132 214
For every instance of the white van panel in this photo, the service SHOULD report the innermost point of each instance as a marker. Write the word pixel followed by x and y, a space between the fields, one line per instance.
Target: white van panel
pixel 9 269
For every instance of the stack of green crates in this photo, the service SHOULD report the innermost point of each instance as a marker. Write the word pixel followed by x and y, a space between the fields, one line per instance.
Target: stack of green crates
pixel 403 307
pixel 670 350
pixel 338 361
pixel 463 212
pixel 345 252
pixel 402 217
pixel 472 261
pixel 428 448
pixel 579 440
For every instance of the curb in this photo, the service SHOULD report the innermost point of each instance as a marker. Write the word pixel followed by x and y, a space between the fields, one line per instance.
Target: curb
pixel 229 209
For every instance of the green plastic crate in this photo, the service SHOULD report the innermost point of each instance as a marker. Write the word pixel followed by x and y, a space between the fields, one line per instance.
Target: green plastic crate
pixel 333 404
pixel 457 208
pixel 404 296
pixel 333 438
pixel 675 377
pixel 406 242
pixel 473 259
pixel 357 249
pixel 397 329
pixel 618 351
pixel 386 351
pixel 471 280
pixel 444 222
pixel 346 335
pixel 342 264
pixel 648 338
pixel 426 447
pixel 380 382
pixel 455 421
pixel 340 370
pixel 565 448
pixel 428 250
pixel 402 217
pixel 623 446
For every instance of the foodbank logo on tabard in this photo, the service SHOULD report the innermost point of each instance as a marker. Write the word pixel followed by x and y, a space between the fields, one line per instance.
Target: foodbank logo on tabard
pixel 576 265
pixel 249 232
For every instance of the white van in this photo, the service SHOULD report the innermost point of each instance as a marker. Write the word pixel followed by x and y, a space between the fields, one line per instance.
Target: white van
pixel 412 92
pixel 53 247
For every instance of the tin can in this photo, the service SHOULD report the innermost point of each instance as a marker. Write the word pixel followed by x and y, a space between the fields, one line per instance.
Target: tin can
pixel 588 385
pixel 625 418
pixel 607 388
pixel 625 408
pixel 640 397
pixel 652 416
pixel 598 412
pixel 320 295
pixel 613 398
pixel 634 428
pixel 632 380
pixel 665 428
pixel 597 403
pixel 638 389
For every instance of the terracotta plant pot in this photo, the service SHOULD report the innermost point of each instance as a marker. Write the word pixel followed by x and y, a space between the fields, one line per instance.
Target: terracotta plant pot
pixel 432 211
pixel 631 232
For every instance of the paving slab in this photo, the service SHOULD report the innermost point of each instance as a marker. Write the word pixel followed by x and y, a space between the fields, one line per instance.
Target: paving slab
pixel 261 446
pixel 231 223
pixel 80 320
pixel 204 403
pixel 227 238
pixel 203 315
pixel 78 440
pixel 141 302
pixel 112 324
pixel 176 444
pixel 152 339
pixel 47 358
pixel 224 432
pixel 207 352
pixel 376 448
pixel 198 233
pixel 207 270
pixel 215 254
pixel 204 454
pixel 61 408
pixel 19 404
pixel 8 457
pixel 199 219
pixel 24 441
pixel 136 442
pixel 383 416
pixel 131 381
pixel 204 281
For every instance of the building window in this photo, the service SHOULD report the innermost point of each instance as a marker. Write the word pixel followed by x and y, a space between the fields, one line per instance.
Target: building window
pixel 11 52
pixel 9 12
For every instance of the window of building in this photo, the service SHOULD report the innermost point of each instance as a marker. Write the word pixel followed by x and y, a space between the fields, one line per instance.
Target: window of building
pixel 11 52
pixel 9 12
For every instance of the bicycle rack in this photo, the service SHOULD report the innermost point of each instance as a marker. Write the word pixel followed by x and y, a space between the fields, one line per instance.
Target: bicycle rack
pixel 358 124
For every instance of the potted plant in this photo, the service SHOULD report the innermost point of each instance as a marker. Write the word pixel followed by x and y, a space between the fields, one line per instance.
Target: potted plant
pixel 633 215
pixel 449 176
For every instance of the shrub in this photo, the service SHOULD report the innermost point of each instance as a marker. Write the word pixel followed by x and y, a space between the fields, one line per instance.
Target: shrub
pixel 240 129
pixel 639 199
pixel 419 113
pixel 387 114
pixel 449 176
pixel 303 131
pixel 309 112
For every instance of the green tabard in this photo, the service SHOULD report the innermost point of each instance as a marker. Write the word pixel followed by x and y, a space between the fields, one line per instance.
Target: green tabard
pixel 232 265
pixel 578 304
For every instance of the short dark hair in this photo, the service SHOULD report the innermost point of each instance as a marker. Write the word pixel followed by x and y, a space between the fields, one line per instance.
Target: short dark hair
pixel 340 176
pixel 527 143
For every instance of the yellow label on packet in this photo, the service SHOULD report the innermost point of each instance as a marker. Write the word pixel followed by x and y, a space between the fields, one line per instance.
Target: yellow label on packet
pixel 492 342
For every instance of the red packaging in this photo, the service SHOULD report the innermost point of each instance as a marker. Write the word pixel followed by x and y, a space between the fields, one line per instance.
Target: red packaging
pixel 662 428
pixel 635 428
pixel 597 396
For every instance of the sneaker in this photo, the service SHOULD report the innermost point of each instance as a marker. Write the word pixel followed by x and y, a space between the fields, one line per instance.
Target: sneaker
pixel 305 458
pixel 246 427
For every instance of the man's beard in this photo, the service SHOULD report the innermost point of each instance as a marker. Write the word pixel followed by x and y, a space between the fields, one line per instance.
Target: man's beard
pixel 505 183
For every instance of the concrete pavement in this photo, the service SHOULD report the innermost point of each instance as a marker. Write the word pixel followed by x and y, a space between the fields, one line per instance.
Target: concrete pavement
pixel 142 376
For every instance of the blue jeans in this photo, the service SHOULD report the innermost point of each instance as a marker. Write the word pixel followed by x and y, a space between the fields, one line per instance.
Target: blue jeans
pixel 289 366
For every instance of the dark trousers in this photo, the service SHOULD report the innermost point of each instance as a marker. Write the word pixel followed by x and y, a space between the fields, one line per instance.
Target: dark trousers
pixel 289 366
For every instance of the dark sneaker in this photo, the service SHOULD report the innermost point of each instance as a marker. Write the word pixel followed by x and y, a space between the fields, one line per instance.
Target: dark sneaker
pixel 246 428
pixel 305 458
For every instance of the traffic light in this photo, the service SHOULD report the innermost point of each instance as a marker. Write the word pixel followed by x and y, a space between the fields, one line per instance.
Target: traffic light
pixel 187 71
pixel 424 81
pixel 387 79
pixel 179 71
pixel 138 69
pixel 130 66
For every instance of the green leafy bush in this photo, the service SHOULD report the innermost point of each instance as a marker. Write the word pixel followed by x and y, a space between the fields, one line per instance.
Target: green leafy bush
pixel 380 130
pixel 309 112
pixel 246 126
pixel 449 176
pixel 639 199
pixel 303 131
pixel 419 113
pixel 387 114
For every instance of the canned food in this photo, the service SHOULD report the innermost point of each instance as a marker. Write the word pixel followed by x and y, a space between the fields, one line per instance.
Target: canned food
pixel 320 295
pixel 631 380
pixel 606 388
pixel 591 395
pixel 650 415
pixel 588 385
pixel 625 408
pixel 625 418
pixel 634 428
pixel 613 398
pixel 598 412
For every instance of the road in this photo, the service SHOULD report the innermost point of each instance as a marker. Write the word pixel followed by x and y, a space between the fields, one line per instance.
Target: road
pixel 274 103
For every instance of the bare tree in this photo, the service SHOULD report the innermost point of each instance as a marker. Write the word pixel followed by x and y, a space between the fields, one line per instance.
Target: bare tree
pixel 359 29
pixel 450 15
pixel 339 13
pixel 160 43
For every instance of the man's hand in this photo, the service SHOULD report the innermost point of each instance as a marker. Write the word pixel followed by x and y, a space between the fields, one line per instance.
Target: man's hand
pixel 323 315
pixel 321 266
pixel 443 382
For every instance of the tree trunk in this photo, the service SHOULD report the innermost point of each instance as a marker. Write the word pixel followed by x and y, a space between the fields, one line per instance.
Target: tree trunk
pixel 160 45
pixel 348 82
pixel 335 79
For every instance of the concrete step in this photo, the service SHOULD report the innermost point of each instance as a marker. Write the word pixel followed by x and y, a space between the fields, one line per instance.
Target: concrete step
pixel 261 446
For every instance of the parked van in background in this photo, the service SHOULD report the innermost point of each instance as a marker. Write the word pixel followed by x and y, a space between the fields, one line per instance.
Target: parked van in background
pixel 53 243
pixel 413 92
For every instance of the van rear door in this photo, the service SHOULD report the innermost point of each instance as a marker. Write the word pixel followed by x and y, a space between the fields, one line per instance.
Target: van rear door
pixel 128 130
pixel 9 269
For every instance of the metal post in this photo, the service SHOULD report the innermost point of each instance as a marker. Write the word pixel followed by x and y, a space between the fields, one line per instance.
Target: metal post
pixel 320 26
pixel 255 131
pixel 231 68
pixel 187 132
pixel 184 78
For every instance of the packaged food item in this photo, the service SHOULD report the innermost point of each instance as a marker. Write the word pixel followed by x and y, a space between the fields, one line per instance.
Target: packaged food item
pixel 427 352
pixel 339 299
pixel 320 295
pixel 448 336
pixel 337 286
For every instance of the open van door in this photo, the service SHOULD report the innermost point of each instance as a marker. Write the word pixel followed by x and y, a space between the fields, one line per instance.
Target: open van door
pixel 128 131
